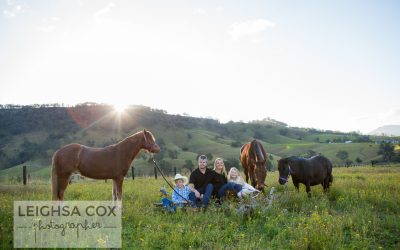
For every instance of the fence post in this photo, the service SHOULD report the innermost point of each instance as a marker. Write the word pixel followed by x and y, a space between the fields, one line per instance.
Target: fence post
pixel 133 172
pixel 24 174
pixel 155 173
pixel 175 170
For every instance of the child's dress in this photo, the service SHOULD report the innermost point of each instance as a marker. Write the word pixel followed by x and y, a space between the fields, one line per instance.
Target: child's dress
pixel 247 189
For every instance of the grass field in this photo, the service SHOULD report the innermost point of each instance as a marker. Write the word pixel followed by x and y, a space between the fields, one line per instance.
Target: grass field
pixel 361 211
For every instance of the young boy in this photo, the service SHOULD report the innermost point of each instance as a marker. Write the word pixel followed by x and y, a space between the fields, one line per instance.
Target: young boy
pixel 181 195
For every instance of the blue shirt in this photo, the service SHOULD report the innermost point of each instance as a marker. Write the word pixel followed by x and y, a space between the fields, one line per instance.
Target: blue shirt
pixel 184 192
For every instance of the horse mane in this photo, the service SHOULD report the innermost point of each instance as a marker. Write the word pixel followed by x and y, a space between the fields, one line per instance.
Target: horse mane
pixel 135 135
pixel 296 161
pixel 128 138
pixel 257 150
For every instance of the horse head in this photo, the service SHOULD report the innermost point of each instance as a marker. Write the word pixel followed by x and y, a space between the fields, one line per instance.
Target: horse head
pixel 149 142
pixel 284 170
pixel 259 170
pixel 260 174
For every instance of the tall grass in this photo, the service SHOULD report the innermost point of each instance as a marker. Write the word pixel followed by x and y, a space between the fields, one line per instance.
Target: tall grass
pixel 361 211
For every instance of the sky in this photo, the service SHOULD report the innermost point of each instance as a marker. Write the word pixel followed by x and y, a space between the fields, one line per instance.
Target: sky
pixel 330 65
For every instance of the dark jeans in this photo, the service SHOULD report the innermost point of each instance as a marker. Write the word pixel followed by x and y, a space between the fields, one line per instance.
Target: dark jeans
pixel 229 186
pixel 207 191
pixel 170 206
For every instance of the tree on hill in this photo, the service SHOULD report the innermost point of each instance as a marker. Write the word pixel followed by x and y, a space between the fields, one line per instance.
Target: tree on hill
pixel 173 154
pixel 236 144
pixel 232 162
pixel 284 131
pixel 386 149
pixel 342 155
pixel 188 164
pixel 310 153
pixel 258 135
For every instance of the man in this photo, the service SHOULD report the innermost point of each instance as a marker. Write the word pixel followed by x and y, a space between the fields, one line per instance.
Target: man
pixel 201 179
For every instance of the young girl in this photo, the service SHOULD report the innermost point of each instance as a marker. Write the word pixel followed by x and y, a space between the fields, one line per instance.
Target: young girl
pixel 181 194
pixel 247 189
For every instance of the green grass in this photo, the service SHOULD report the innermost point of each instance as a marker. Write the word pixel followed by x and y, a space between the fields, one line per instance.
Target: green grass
pixel 361 211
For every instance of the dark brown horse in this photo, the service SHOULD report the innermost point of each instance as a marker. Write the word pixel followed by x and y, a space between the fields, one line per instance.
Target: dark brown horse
pixel 253 159
pixel 313 171
pixel 111 162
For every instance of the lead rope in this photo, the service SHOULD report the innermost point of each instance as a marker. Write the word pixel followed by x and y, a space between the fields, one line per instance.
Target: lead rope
pixel 169 184
pixel 287 179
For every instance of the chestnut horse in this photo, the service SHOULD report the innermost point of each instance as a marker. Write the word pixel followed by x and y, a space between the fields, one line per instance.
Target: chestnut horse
pixel 111 162
pixel 253 159
pixel 313 171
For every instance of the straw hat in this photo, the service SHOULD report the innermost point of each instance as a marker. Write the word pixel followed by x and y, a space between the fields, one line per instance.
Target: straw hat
pixel 181 177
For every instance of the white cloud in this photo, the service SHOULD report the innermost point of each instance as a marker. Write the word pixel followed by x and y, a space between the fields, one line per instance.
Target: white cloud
pixel 199 12
pixel 47 28
pixel 248 28
pixel 13 10
pixel 219 9
pixel 99 15
pixel 8 13
pixel 391 117
pixel 48 24
pixel 373 120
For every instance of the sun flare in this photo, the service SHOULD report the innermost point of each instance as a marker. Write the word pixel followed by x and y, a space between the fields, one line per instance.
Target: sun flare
pixel 120 107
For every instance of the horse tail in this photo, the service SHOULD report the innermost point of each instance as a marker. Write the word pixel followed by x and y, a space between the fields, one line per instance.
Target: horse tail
pixel 54 178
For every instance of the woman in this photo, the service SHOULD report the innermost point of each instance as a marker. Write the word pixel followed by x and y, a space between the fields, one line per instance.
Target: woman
pixel 221 183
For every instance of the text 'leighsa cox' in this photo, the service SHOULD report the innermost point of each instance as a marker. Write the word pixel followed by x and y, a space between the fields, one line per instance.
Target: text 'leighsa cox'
pixel 61 210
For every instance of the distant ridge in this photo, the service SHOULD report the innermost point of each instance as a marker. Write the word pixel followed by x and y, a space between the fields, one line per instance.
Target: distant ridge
pixel 29 135
pixel 391 130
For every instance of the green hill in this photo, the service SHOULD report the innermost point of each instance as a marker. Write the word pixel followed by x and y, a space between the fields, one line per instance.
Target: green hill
pixel 29 135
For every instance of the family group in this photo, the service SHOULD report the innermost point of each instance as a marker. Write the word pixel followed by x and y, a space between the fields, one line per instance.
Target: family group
pixel 205 183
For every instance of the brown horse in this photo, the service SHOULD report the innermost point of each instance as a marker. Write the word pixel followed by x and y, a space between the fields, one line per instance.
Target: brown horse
pixel 253 159
pixel 111 162
pixel 313 171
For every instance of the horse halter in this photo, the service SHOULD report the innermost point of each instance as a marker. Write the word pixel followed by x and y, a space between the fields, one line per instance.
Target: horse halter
pixel 287 178
pixel 147 145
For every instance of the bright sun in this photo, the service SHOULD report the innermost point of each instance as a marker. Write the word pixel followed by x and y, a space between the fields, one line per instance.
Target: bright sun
pixel 120 107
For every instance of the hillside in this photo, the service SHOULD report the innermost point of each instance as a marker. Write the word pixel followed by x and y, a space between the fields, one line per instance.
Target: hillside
pixel 29 135
pixel 390 130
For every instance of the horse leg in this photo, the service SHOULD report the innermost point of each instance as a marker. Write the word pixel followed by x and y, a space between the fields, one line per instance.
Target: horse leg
pixel 62 182
pixel 246 173
pixel 118 185
pixel 326 184
pixel 308 189
pixel 113 191
pixel 253 180
pixel 296 185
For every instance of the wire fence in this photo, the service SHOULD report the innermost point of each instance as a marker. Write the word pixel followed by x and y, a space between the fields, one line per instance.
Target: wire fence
pixel 25 177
